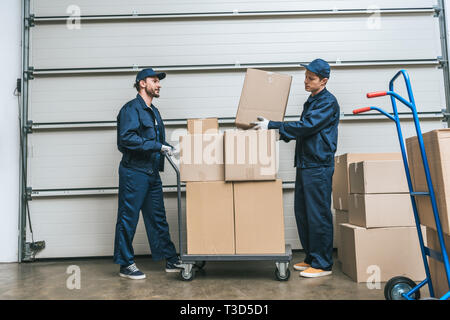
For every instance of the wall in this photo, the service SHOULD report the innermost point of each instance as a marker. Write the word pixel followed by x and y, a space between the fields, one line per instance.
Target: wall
pixel 10 66
pixel 73 158
pixel 10 12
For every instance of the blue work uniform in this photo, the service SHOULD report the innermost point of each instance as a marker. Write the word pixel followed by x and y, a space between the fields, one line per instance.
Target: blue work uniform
pixel 140 135
pixel 316 137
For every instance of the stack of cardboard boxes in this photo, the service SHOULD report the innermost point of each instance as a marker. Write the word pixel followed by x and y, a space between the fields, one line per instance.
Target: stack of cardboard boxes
pixel 341 184
pixel 209 200
pixel 379 240
pixel 437 147
pixel 234 201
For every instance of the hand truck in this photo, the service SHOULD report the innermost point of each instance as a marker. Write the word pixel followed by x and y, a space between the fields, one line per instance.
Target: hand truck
pixel 192 262
pixel 399 288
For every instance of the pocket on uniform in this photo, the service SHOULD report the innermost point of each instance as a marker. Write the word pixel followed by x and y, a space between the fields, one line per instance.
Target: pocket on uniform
pixel 149 128
pixel 326 142
pixel 148 123
pixel 316 174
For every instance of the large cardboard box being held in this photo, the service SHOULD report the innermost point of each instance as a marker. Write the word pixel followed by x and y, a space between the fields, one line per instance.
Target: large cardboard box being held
pixel 259 219
pixel 437 270
pixel 210 218
pixel 201 157
pixel 381 210
pixel 250 155
pixel 263 94
pixel 341 184
pixel 378 176
pixel 437 147
pixel 380 254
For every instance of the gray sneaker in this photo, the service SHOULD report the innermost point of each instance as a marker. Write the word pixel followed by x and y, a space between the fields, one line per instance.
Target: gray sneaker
pixel 174 267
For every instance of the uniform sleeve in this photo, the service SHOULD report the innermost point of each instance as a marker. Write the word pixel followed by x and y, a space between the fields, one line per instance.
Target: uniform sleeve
pixel 277 125
pixel 128 133
pixel 314 121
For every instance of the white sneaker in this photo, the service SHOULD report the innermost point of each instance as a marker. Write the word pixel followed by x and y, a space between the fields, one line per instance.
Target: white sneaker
pixel 314 273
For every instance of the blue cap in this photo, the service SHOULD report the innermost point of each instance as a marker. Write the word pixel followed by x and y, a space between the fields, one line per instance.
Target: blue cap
pixel 149 73
pixel 319 67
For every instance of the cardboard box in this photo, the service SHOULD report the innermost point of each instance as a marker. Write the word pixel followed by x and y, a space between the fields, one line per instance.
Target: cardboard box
pixel 381 210
pixel 250 155
pixel 437 270
pixel 201 126
pixel 341 184
pixel 378 176
pixel 210 218
pixel 263 94
pixel 380 254
pixel 340 217
pixel 259 218
pixel 437 147
pixel 201 157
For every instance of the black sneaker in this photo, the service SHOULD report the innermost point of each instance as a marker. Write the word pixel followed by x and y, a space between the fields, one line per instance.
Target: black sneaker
pixel 174 267
pixel 131 272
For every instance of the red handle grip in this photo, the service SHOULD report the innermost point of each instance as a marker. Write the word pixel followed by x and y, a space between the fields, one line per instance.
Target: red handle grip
pixel 376 94
pixel 361 110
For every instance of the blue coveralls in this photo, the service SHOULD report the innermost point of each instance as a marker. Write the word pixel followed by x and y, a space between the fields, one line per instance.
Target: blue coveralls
pixel 140 135
pixel 316 140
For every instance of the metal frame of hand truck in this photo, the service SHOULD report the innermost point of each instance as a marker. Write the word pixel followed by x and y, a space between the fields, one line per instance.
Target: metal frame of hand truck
pixel 402 290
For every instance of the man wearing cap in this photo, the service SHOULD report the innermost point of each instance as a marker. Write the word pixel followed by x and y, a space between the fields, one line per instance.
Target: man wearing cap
pixel 141 140
pixel 316 140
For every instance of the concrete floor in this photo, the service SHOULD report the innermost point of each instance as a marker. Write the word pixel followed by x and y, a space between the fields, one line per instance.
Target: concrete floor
pixel 47 279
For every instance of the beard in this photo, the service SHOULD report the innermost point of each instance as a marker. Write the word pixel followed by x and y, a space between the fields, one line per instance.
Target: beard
pixel 152 93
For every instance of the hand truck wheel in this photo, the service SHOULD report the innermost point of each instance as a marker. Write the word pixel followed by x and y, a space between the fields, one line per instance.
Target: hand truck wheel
pixel 397 286
pixel 282 272
pixel 284 277
pixel 187 273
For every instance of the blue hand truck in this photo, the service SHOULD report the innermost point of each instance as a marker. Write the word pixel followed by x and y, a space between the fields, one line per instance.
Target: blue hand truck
pixel 399 288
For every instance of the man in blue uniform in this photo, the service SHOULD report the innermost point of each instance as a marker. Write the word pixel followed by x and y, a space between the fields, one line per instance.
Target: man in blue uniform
pixel 316 140
pixel 141 140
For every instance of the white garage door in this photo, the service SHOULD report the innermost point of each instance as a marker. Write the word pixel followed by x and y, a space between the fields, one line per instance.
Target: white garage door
pixel 83 73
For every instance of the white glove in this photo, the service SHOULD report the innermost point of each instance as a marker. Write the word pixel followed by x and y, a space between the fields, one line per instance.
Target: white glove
pixel 262 124
pixel 166 149
pixel 176 152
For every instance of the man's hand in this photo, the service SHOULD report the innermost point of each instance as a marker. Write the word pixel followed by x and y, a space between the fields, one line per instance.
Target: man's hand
pixel 166 149
pixel 262 124
pixel 176 152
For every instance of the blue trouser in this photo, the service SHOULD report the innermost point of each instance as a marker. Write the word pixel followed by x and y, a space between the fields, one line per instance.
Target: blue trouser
pixel 312 207
pixel 141 191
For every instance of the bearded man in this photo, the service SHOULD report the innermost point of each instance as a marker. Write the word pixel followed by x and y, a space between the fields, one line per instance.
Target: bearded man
pixel 141 140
